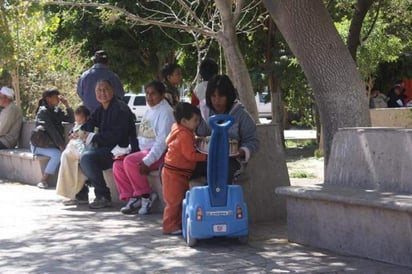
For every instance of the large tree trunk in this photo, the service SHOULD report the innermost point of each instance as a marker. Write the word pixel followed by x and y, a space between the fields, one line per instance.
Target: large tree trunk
pixel 338 88
pixel 240 75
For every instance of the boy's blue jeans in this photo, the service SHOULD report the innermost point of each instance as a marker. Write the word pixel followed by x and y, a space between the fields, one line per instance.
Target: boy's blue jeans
pixel 92 162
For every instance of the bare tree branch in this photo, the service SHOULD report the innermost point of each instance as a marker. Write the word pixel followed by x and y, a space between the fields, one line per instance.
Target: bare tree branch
pixel 136 18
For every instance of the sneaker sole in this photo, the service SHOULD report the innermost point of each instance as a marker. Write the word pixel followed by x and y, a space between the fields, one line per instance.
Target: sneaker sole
pixel 130 211
pixel 100 206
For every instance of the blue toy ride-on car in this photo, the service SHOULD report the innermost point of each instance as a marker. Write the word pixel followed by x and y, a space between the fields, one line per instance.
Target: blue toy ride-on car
pixel 218 209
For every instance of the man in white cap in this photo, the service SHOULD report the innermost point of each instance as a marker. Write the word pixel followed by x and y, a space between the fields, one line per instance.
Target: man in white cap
pixel 11 119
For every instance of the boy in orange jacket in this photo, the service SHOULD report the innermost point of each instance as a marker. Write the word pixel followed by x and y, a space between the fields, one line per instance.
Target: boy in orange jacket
pixel 180 161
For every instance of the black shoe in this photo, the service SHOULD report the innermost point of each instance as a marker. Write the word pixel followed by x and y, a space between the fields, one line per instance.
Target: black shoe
pixel 83 194
pixel 99 203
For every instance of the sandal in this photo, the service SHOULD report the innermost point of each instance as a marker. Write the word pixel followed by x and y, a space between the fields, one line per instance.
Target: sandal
pixel 70 202
pixel 42 185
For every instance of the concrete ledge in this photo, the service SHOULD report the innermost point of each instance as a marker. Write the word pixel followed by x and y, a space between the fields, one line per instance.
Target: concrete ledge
pixel 364 207
pixel 371 158
pixel 21 153
pixel 372 232
pixel 20 165
pixel 391 117
pixel 351 196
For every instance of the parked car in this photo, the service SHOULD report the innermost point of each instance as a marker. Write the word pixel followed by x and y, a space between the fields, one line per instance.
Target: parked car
pixel 137 104
pixel 264 107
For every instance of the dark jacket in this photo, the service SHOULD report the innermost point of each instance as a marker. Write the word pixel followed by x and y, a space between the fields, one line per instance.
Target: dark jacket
pixel 113 126
pixel 51 120
pixel 87 84
pixel 395 100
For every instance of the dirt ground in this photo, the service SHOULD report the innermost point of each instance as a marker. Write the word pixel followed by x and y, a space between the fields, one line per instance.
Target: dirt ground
pixel 303 167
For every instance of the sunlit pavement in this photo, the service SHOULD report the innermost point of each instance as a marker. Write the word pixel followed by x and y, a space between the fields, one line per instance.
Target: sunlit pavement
pixel 40 235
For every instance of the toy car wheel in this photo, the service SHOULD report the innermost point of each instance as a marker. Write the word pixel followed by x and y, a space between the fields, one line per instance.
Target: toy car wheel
pixel 191 242
pixel 243 239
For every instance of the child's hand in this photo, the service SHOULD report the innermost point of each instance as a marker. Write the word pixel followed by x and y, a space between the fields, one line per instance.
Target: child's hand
pixel 74 135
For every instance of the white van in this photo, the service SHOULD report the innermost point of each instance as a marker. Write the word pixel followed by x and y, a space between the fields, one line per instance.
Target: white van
pixel 137 104
pixel 264 108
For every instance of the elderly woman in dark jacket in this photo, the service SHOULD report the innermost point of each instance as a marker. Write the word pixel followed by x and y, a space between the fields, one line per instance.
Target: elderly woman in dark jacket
pixel 110 126
pixel 49 118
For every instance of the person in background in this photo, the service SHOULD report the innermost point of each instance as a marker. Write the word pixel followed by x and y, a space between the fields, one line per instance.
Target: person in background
pixel 378 99
pixel 111 125
pixel 180 161
pixel 221 99
pixel 11 119
pixel 396 97
pixel 208 68
pixel 130 173
pixel 87 82
pixel 172 74
pixel 71 180
pixel 50 117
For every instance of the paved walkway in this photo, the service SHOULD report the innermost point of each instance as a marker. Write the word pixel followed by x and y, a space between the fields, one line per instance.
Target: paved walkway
pixel 40 235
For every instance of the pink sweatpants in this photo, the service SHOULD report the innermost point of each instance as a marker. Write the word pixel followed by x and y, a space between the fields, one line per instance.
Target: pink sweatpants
pixel 129 182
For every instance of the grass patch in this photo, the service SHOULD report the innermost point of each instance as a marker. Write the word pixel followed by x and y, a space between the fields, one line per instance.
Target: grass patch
pixel 301 174
pixel 300 143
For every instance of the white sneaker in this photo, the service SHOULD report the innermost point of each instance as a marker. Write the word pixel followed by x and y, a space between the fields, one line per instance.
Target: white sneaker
pixel 147 204
pixel 132 206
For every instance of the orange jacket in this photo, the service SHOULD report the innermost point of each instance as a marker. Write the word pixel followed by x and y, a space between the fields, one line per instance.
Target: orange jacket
pixel 181 155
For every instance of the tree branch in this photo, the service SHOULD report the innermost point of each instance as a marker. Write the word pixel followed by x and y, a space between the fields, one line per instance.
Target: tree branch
pixel 373 23
pixel 136 18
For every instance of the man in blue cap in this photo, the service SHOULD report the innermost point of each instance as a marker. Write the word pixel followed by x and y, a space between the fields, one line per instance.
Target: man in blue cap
pixel 87 82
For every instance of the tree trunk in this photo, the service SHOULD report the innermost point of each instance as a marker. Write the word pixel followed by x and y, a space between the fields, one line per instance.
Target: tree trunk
pixel 338 88
pixel 274 83
pixel 228 39
pixel 354 36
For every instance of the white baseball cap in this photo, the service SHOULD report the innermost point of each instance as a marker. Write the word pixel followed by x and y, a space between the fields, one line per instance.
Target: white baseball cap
pixel 7 92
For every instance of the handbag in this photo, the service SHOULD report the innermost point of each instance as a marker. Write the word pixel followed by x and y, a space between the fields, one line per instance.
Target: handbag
pixel 40 138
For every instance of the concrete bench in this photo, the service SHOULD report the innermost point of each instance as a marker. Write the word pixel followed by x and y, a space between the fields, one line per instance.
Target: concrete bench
pixel 19 164
pixel 266 171
pixel 364 207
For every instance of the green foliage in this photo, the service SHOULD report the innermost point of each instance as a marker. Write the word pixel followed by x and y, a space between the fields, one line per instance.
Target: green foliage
pixel 379 47
pixel 318 153
pixel 136 52
pixel 384 55
pixel 301 174
pixel 40 63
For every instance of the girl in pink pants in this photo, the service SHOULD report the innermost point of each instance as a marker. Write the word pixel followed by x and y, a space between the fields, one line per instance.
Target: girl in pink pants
pixel 130 174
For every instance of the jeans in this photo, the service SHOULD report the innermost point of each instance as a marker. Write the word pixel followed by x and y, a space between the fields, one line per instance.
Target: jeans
pixel 53 153
pixel 93 161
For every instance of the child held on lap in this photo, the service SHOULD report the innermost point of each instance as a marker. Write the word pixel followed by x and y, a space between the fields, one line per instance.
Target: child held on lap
pixel 180 161
pixel 76 144
pixel 70 180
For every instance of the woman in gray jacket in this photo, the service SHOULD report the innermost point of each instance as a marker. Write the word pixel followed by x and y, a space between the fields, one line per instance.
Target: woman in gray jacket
pixel 221 98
